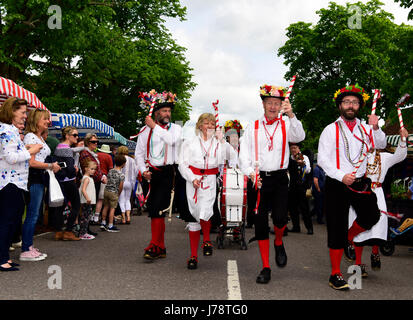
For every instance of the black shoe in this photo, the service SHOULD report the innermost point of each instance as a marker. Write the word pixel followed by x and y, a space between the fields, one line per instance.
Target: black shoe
pixel 310 231
pixel 162 253
pixel 9 269
pixel 152 252
pixel 264 276
pixel 337 282
pixel 298 230
pixel 13 264
pixel 363 268
pixel 280 256
pixel 207 246
pixel 375 262
pixel 192 263
pixel 349 252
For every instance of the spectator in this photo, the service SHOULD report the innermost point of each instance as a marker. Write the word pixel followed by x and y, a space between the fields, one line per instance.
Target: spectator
pixel 112 191
pixel 129 170
pixel 318 192
pixel 87 200
pixel 106 163
pixel 14 170
pixel 37 122
pixel 64 154
pixel 88 154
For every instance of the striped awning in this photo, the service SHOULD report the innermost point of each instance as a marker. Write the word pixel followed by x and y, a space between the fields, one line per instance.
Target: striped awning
pixel 61 120
pixel 9 88
pixel 394 140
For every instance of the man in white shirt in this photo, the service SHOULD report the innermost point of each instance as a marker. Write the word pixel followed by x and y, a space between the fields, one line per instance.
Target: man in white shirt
pixel 264 157
pixel 155 154
pixel 341 153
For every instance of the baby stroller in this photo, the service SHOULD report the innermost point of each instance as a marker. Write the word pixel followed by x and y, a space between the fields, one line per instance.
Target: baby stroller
pixel 233 200
pixel 400 232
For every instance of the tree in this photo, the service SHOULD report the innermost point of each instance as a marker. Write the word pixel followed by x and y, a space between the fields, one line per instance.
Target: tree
pixel 104 54
pixel 330 55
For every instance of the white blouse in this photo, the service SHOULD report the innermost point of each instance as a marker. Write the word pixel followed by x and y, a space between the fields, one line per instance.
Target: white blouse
pixel 14 158
pixel 31 138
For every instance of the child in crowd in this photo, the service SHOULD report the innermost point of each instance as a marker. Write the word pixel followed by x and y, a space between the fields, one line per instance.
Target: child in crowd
pixel 112 191
pixel 87 200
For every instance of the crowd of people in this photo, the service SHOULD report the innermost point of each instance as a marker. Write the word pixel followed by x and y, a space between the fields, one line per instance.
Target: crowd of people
pixel 90 179
pixel 97 182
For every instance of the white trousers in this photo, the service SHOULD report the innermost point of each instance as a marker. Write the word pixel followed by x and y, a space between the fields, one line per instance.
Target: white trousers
pixel 124 197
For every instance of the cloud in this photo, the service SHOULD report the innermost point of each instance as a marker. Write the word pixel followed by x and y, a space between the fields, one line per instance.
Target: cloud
pixel 232 47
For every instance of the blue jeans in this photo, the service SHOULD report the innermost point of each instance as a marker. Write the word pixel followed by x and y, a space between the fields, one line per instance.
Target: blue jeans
pixel 32 215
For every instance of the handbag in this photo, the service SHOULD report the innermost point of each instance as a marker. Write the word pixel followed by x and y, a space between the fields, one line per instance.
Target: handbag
pixel 56 197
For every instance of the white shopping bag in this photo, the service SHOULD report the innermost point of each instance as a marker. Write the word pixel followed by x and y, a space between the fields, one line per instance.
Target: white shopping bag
pixel 56 198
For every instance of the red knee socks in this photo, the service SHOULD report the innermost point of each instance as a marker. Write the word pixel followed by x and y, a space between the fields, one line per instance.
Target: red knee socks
pixel 375 250
pixel 194 237
pixel 335 258
pixel 359 253
pixel 354 230
pixel 264 246
pixel 279 232
pixel 158 230
pixel 206 229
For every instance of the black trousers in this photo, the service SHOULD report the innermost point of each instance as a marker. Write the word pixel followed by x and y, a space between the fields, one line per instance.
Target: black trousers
pixel 160 190
pixel 11 207
pixel 298 204
pixel 71 194
pixel 338 199
pixel 274 198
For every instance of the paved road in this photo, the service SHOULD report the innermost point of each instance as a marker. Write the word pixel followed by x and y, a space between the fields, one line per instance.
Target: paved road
pixel 112 267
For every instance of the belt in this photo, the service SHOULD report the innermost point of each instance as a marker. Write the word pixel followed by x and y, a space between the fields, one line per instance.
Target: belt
pixel 204 172
pixel 272 173
pixel 375 185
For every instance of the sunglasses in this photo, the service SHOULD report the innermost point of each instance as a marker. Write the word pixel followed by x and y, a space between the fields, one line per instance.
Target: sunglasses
pixel 75 135
pixel 93 141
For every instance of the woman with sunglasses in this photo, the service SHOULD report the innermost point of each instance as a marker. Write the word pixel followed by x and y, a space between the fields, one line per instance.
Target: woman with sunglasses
pixel 88 154
pixel 14 171
pixel 37 122
pixel 64 155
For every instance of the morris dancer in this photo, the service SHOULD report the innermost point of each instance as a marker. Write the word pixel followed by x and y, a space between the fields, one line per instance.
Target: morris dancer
pixel 199 161
pixel 378 165
pixel 341 146
pixel 155 155
pixel 264 149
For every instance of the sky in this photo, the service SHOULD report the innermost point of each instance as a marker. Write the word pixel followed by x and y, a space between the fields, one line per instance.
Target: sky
pixel 232 48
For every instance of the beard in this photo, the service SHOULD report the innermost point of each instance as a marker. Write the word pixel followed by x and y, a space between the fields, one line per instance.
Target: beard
pixel 164 120
pixel 348 115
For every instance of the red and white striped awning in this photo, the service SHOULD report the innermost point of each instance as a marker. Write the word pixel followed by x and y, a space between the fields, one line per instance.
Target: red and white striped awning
pixel 9 88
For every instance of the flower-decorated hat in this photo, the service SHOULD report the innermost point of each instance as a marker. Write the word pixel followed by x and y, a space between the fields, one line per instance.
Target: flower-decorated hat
pixel 164 99
pixel 267 91
pixel 351 90
pixel 233 124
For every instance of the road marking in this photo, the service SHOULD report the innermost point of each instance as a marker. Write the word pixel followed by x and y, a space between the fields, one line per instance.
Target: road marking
pixel 234 287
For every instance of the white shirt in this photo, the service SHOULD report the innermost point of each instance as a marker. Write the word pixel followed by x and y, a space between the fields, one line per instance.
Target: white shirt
pixel 268 160
pixel 14 158
pixel 327 149
pixel 162 142
pixel 90 190
pixel 129 170
pixel 31 138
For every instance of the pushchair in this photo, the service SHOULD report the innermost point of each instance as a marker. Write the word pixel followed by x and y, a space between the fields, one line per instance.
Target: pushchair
pixel 233 208
pixel 400 232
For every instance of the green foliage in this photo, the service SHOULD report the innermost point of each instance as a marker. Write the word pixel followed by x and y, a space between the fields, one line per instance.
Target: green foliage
pixel 398 191
pixel 106 52
pixel 329 55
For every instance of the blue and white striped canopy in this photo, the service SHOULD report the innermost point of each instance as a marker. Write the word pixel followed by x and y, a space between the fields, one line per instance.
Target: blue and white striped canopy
pixel 130 144
pixel 61 120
